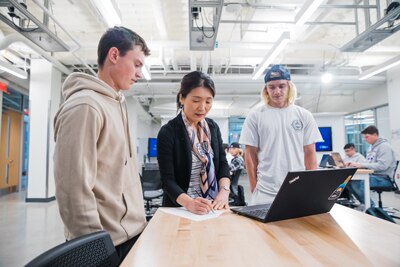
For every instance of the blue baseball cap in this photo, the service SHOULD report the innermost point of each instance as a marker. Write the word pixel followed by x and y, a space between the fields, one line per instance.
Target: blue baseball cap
pixel 277 72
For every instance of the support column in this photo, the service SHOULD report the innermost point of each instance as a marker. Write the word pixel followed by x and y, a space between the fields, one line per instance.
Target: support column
pixel 44 95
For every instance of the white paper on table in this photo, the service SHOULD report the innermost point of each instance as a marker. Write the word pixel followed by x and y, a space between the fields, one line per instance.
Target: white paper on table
pixel 182 212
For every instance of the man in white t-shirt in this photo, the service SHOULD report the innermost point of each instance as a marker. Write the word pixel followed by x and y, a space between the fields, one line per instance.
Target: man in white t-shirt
pixel 279 137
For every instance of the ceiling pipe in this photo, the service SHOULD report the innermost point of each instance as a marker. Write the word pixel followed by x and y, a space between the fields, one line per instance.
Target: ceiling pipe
pixel 49 14
pixel 78 45
pixel 14 37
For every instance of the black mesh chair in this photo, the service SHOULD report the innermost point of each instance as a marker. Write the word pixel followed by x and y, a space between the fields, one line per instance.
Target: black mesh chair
pixel 151 185
pixel 391 188
pixel 96 249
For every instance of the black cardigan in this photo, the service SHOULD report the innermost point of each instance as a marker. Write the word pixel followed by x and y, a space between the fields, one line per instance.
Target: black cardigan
pixel 174 155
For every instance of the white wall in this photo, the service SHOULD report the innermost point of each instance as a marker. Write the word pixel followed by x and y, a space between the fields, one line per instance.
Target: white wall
pixel 383 122
pixel 141 126
pixel 393 88
pixel 336 121
pixel 223 124
pixel 363 99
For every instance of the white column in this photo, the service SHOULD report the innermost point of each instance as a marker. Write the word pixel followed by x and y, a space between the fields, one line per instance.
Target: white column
pixel 393 88
pixel 44 95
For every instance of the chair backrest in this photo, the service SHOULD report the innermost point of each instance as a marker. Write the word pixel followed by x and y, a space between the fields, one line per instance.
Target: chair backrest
pixel 394 176
pixel 151 179
pixel 236 174
pixel 96 249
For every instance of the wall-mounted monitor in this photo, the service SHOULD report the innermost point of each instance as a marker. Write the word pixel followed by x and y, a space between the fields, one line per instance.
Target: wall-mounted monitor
pixel 326 145
pixel 152 152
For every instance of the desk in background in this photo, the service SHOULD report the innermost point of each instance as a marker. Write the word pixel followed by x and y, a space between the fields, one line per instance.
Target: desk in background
pixel 363 174
pixel 343 237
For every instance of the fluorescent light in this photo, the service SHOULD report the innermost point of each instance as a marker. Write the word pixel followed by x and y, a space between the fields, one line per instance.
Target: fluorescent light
pixel 146 73
pixel 5 66
pixel 326 77
pixel 272 54
pixel 380 68
pixel 109 11
pixel 306 11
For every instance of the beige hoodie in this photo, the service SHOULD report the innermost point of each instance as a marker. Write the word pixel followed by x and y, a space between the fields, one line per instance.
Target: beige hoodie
pixel 97 182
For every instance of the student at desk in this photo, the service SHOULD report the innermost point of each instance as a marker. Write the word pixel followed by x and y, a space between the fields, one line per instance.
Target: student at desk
pixel 352 155
pixel 191 158
pixel 380 158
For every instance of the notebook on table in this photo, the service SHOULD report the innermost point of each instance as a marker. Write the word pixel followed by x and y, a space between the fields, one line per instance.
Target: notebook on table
pixel 302 193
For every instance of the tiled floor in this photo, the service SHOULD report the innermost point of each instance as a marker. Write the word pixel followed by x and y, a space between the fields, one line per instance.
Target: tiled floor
pixel 28 229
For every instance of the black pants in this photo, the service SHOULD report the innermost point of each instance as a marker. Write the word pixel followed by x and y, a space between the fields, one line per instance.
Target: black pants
pixel 124 248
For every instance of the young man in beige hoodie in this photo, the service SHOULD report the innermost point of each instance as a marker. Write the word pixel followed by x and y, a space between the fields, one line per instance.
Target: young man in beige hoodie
pixel 97 182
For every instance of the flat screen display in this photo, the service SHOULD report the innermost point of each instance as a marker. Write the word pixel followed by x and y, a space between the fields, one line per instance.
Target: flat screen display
pixel 152 148
pixel 326 145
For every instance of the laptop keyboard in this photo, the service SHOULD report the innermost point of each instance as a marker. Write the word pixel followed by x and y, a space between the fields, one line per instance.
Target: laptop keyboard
pixel 259 213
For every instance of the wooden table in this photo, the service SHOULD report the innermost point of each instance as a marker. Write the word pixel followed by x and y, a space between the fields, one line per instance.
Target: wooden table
pixel 343 237
pixel 363 174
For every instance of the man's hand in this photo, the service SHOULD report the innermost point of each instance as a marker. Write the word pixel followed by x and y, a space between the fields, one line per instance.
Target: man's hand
pixel 354 164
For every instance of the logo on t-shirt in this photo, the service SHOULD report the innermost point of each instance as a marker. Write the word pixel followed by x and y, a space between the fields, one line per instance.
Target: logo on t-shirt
pixel 297 125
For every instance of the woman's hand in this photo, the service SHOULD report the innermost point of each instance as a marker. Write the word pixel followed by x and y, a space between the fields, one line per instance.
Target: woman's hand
pixel 199 206
pixel 221 201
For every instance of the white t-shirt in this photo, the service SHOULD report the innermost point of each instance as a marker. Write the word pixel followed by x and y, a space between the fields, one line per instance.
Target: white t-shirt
pixel 280 135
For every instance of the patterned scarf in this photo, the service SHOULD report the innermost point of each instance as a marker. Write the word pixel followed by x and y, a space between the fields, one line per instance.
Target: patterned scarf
pixel 201 146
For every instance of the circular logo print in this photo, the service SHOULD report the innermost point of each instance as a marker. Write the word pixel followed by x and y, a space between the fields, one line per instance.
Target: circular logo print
pixel 297 125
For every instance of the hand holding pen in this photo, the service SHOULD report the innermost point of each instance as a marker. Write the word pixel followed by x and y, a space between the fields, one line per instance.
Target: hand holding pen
pixel 200 206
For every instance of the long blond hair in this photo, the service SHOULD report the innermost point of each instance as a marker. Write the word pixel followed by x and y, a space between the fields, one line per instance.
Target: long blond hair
pixel 291 97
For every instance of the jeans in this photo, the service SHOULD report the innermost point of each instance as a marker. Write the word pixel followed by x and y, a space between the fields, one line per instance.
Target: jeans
pixel 357 186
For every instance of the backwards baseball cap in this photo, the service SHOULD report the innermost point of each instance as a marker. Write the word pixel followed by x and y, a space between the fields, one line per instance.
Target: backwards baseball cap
pixel 277 72
pixel 234 145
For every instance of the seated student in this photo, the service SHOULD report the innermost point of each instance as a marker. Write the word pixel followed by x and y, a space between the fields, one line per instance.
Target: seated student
pixel 227 153
pixel 380 158
pixel 236 165
pixel 352 155
pixel 192 161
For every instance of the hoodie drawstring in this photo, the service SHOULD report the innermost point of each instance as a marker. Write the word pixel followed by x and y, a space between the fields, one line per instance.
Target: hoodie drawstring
pixel 122 99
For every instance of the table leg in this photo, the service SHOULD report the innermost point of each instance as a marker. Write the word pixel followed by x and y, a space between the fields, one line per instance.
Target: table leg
pixel 367 193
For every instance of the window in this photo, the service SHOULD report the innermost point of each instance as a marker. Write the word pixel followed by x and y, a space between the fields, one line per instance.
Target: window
pixel 235 128
pixel 356 122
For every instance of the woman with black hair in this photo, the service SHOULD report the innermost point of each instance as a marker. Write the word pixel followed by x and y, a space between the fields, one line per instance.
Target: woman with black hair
pixel 192 162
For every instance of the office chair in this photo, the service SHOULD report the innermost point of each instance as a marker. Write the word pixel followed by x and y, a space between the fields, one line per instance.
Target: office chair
pixel 151 186
pixel 393 187
pixel 96 249
pixel 236 197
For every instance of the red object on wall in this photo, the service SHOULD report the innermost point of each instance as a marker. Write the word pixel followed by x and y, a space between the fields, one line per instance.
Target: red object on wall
pixel 3 87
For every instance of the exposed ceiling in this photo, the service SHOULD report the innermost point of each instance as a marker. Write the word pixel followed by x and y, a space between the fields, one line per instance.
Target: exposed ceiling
pixel 247 31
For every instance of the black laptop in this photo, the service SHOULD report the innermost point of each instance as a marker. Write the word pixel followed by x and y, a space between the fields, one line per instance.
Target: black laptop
pixel 302 193
pixel 326 161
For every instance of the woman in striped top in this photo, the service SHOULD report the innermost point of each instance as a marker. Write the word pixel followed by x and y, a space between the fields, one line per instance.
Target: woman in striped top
pixel 192 162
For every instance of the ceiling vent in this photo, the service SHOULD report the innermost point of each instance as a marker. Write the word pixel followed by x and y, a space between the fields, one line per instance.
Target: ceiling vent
pixel 204 18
